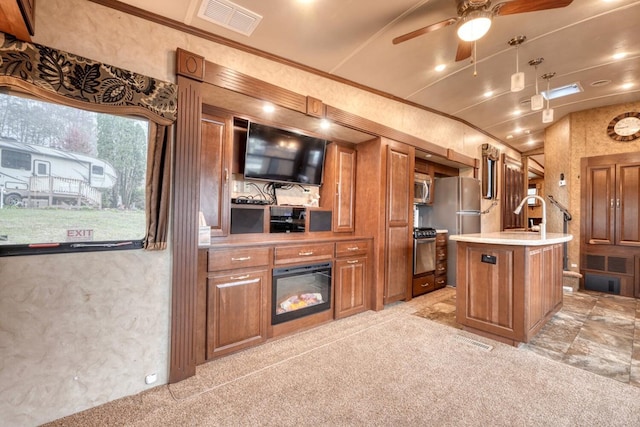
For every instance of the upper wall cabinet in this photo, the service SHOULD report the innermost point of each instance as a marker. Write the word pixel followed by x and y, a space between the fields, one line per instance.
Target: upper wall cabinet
pixel 339 186
pixel 215 169
pixel 17 17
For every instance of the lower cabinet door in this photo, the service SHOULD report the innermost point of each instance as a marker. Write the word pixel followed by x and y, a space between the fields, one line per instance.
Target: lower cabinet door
pixel 236 311
pixel 350 281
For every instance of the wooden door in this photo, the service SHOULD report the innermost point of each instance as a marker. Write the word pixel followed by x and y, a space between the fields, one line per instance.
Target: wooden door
pixel 215 156
pixel 512 195
pixel 350 282
pixel 236 312
pixel 343 208
pixel 627 204
pixel 600 204
pixel 398 273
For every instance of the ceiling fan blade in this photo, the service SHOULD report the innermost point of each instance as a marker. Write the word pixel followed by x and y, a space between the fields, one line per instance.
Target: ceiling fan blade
pixel 522 6
pixel 425 30
pixel 465 49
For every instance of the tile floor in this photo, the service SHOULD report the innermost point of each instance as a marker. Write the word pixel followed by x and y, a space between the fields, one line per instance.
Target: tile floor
pixel 593 331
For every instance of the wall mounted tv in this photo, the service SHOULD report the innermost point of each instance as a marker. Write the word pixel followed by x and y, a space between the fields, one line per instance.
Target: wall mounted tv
pixel 278 155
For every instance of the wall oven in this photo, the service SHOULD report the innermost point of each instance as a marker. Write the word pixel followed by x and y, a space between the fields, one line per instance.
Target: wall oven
pixel 424 250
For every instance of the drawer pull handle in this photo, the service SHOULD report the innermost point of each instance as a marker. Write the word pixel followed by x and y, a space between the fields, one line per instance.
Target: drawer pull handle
pixel 305 253
pixel 240 277
pixel 424 285
pixel 352 261
pixel 244 258
pixel 239 283
pixel 353 248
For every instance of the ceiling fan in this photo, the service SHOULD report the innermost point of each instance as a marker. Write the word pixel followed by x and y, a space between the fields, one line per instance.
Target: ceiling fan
pixel 474 20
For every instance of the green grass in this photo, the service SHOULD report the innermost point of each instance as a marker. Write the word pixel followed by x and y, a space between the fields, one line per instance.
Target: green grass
pixel 24 226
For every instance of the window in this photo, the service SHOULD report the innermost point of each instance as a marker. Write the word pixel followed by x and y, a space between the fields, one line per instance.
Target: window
pixel 15 160
pixel 70 179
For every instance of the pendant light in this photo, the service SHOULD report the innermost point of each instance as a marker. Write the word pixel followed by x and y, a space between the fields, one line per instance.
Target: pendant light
pixel 547 114
pixel 537 100
pixel 517 79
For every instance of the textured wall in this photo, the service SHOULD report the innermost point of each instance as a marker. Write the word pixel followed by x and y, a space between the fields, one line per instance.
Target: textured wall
pixel 80 330
pixel 581 134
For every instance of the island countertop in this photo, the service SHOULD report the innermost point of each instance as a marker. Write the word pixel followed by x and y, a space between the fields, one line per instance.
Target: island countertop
pixel 519 238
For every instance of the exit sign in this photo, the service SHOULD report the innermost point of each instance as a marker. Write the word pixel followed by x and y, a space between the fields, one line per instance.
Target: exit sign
pixel 79 235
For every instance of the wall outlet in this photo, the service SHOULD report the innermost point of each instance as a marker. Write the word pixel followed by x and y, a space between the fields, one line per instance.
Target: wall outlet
pixel 151 378
pixel 246 188
pixel 563 183
pixel 237 186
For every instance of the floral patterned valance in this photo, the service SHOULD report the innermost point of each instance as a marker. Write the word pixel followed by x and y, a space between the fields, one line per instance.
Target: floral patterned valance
pixel 85 80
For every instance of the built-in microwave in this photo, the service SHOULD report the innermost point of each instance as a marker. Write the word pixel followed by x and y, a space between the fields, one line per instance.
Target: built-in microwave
pixel 422 183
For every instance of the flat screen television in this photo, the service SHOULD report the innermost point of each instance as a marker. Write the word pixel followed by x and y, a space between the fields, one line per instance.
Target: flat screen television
pixel 278 155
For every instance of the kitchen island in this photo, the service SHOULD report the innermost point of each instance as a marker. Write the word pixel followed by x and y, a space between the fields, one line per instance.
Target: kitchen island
pixel 509 283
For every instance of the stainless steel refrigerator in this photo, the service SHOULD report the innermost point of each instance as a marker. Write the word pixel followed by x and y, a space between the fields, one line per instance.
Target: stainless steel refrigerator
pixel 456 208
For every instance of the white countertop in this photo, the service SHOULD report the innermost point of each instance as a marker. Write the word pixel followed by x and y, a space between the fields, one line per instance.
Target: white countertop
pixel 519 238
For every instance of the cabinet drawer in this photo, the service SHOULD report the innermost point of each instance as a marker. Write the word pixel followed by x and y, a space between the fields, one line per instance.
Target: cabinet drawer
pixel 441 268
pixel 422 285
pixel 228 259
pixel 302 253
pixel 356 247
pixel 441 239
pixel 440 282
pixel 441 253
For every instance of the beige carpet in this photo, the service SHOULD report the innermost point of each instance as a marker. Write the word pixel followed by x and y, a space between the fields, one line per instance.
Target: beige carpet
pixel 379 368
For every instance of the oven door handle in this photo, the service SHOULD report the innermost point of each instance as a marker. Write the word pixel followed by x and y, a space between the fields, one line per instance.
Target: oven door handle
pixel 421 240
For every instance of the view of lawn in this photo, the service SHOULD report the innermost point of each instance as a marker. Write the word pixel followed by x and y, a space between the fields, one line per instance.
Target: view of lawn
pixel 24 226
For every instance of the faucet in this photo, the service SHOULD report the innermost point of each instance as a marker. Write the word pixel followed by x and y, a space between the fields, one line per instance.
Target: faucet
pixel 543 224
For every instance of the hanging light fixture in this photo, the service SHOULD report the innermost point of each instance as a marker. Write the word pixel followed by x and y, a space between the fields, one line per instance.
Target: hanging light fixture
pixel 537 100
pixel 517 79
pixel 474 25
pixel 547 114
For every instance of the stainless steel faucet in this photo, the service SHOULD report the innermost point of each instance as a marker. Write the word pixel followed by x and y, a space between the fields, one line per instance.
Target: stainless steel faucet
pixel 543 224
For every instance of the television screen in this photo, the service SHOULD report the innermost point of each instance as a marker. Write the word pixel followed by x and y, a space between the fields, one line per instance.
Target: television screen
pixel 278 155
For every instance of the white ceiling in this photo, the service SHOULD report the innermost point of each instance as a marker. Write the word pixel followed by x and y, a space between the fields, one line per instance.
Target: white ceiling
pixel 351 39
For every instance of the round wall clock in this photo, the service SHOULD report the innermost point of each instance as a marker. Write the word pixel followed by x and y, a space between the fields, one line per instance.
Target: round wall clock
pixel 625 127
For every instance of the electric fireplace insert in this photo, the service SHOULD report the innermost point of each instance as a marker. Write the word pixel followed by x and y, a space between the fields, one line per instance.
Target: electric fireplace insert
pixel 300 291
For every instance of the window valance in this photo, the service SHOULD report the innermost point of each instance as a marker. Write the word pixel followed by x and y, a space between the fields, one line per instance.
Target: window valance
pixel 83 80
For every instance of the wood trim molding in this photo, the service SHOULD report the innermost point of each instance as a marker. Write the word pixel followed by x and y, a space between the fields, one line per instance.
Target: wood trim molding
pixel 236 81
pixel 462 158
pixel 182 363
pixel 189 64
pixel 188 29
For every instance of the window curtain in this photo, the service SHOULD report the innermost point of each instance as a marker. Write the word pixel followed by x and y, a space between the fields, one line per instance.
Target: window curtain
pixel 72 80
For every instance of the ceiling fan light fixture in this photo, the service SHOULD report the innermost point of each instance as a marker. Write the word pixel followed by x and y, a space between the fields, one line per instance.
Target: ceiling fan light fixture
pixel 474 25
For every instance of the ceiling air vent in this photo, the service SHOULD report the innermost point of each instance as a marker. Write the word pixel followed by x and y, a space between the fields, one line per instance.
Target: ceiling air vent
pixel 229 15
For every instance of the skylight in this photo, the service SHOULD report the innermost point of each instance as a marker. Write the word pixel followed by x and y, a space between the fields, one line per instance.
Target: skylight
pixel 559 92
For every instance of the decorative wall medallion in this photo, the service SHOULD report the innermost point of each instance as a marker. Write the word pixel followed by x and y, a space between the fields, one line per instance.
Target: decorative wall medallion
pixel 625 127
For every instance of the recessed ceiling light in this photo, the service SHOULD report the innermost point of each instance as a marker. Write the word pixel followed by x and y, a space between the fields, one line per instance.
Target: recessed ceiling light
pixel 518 130
pixel 527 131
pixel 627 86
pixel 268 108
pixel 509 136
pixel 488 94
pixel 440 67
pixel 619 55
pixel 517 112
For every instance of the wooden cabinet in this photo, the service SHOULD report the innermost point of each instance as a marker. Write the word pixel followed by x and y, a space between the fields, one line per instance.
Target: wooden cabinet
pixel 338 189
pixel 613 200
pixel 440 280
pixel 384 203
pixel 18 18
pixel 507 292
pixel 215 165
pixel 611 225
pixel 351 277
pixel 311 252
pixel 237 312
